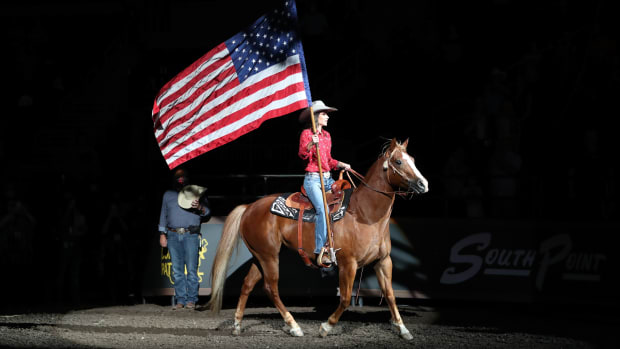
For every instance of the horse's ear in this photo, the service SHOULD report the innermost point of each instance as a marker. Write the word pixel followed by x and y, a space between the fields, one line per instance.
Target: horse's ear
pixel 393 145
pixel 405 143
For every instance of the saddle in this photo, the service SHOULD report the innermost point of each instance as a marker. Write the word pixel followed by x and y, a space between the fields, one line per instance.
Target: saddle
pixel 297 206
pixel 300 200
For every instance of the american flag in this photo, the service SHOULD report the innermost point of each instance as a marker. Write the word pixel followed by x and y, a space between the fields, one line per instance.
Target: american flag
pixel 256 75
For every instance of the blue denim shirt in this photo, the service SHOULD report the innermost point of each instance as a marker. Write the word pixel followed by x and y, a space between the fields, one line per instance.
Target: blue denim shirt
pixel 173 216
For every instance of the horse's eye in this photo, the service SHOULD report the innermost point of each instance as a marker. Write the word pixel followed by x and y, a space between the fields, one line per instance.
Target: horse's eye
pixel 398 162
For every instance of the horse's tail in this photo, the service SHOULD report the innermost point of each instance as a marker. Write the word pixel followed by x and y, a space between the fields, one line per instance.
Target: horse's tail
pixel 228 242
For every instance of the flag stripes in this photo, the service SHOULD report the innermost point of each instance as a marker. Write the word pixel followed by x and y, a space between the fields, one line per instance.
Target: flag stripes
pixel 208 104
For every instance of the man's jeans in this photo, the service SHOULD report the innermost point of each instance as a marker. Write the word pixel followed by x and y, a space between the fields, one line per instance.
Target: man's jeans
pixel 184 250
pixel 312 184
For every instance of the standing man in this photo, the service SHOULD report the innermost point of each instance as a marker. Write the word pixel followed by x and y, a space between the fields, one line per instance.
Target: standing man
pixel 179 230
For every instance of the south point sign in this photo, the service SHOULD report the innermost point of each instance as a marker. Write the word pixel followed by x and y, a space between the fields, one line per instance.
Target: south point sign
pixel 475 255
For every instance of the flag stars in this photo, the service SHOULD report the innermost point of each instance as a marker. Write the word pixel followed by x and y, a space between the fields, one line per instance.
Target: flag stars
pixel 264 45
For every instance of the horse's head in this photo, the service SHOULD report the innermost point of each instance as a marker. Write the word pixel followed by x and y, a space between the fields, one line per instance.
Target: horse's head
pixel 400 169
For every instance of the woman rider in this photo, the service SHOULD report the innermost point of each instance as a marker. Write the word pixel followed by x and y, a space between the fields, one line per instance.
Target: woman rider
pixel 312 181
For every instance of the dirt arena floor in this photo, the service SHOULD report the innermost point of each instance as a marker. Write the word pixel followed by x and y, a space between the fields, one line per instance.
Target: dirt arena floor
pixel 155 325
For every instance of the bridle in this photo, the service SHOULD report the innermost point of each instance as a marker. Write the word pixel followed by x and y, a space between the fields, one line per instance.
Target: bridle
pixel 402 193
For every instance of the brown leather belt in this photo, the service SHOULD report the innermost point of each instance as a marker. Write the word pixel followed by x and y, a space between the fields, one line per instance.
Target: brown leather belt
pixel 179 230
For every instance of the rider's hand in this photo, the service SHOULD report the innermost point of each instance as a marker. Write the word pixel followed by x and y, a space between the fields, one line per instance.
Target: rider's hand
pixel 344 165
pixel 163 241
pixel 315 139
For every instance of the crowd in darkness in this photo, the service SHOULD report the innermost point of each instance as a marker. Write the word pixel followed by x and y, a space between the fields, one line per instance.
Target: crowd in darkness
pixel 509 116
pixel 537 142
pixel 511 102
pixel 86 243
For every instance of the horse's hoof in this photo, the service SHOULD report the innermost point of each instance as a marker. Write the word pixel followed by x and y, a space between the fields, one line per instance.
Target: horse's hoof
pixel 406 335
pixel 236 329
pixel 296 332
pixel 403 332
pixel 324 329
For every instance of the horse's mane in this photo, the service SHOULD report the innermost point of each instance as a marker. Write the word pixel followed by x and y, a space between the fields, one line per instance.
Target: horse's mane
pixel 386 146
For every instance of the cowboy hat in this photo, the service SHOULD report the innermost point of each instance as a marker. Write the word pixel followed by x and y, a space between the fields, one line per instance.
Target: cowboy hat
pixel 190 193
pixel 317 107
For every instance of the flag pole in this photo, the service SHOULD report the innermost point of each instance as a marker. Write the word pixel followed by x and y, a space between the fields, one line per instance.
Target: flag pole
pixel 325 206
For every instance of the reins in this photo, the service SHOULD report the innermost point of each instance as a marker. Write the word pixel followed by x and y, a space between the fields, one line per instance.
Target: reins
pixel 363 181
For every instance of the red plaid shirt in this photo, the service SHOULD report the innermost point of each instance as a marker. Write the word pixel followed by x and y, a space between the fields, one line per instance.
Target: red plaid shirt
pixel 325 147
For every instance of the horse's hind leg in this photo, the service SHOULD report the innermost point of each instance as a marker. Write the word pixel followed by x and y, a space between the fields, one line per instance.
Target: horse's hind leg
pixel 271 273
pixel 254 275
pixel 384 275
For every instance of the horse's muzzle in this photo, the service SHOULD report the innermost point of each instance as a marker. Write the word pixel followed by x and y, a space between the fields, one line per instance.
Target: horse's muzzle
pixel 418 186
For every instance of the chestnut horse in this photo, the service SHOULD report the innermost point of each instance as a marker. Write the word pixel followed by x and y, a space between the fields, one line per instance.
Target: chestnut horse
pixel 361 237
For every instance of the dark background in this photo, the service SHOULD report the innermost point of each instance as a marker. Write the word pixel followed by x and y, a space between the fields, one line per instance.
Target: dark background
pixel 508 106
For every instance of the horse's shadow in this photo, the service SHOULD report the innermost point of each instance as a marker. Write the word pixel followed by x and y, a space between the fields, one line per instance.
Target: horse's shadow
pixel 315 315
pixel 306 318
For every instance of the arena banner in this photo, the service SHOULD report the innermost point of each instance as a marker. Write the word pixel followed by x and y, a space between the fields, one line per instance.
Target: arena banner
pixel 481 260
pixel 511 261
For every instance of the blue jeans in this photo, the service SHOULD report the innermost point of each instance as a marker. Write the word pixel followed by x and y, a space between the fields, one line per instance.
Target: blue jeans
pixel 184 250
pixel 312 184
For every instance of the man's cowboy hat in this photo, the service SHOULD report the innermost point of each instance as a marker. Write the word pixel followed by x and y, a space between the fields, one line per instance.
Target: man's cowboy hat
pixel 317 107
pixel 190 193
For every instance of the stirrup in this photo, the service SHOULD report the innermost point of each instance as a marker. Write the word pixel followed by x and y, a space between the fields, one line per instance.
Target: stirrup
pixel 319 259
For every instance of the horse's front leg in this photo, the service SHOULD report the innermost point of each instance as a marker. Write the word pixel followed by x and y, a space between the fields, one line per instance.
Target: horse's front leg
pixel 346 277
pixel 384 275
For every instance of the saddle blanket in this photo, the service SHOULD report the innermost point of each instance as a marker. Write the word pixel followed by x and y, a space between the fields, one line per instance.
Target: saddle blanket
pixel 279 207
